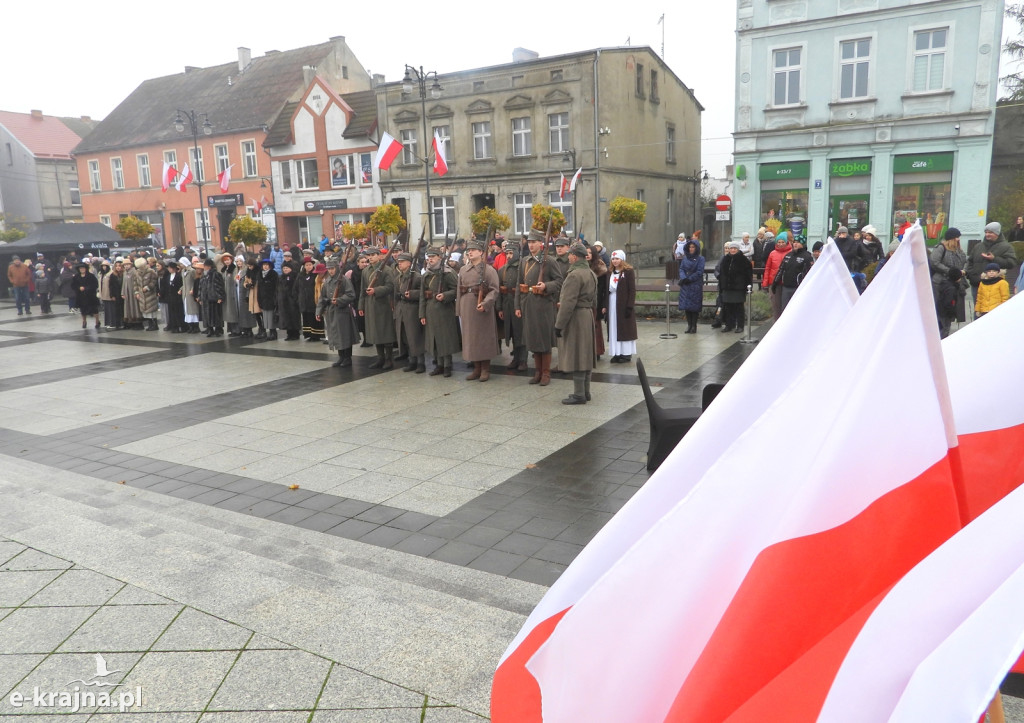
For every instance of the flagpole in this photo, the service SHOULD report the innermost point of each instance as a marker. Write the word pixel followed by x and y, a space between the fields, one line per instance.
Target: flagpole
pixel 193 122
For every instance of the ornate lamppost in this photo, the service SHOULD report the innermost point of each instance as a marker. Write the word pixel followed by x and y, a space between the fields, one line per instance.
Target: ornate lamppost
pixel 196 121
pixel 420 77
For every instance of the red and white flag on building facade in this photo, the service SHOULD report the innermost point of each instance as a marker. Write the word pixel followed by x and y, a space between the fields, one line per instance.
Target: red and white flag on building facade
pixel 224 178
pixel 575 179
pixel 387 151
pixel 257 206
pixel 563 187
pixel 184 178
pixel 167 176
pixel 811 319
pixel 742 601
pixel 440 158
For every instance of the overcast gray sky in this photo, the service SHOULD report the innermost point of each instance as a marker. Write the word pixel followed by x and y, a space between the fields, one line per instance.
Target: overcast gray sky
pixel 82 58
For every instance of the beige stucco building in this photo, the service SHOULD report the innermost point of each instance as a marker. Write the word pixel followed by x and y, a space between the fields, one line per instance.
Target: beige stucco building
pixel 512 130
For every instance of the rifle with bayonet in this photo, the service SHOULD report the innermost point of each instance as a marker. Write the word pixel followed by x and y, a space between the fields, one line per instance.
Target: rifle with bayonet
pixel 418 258
pixel 487 245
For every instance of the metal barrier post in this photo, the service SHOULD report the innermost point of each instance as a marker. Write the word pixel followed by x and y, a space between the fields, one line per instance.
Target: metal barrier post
pixel 750 306
pixel 668 317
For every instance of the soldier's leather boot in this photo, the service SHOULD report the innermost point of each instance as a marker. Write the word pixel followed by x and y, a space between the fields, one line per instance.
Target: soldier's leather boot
pixel 586 386
pixel 578 395
pixel 379 363
pixel 485 370
pixel 538 367
pixel 545 373
pixel 389 358
pixel 421 365
pixel 475 374
pixel 447 366
pixel 438 368
pixel 272 335
pixel 411 365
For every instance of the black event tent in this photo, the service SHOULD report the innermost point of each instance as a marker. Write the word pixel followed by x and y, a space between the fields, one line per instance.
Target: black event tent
pixel 55 239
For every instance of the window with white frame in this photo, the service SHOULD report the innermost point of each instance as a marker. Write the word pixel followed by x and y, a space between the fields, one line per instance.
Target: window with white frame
pixel 171 158
pixel 116 173
pixel 521 137
pixel 408 139
pixel 565 206
pixel 306 174
pixel 105 220
pixel 445 134
pixel 558 132
pixel 670 143
pixel 482 140
pixel 854 65
pixel 442 216
pixel 249 159
pixel 640 197
pixel 670 203
pixel 286 175
pixel 94 176
pixel 202 222
pixel 786 67
pixel 76 193
pixel 195 156
pixel 142 160
pixel 522 204
pixel 366 169
pixel 220 153
pixel 930 59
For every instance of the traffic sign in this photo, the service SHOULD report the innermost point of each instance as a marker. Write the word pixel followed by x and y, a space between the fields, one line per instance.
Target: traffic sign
pixel 721 215
pixel 723 203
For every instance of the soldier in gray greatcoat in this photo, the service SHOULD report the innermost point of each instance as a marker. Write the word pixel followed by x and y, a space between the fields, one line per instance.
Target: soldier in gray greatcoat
pixel 408 328
pixel 574 324
pixel 477 294
pixel 508 279
pixel 335 309
pixel 437 313
pixel 378 289
pixel 228 271
pixel 539 284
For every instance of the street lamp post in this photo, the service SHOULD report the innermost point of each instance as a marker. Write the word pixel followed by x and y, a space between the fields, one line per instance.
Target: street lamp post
pixel 696 179
pixel 420 77
pixel 194 124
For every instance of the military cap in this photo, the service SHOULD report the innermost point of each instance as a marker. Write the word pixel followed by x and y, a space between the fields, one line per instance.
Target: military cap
pixel 403 257
pixel 369 251
pixel 535 235
pixel 562 241
pixel 475 245
pixel 433 251
pixel 332 262
pixel 578 249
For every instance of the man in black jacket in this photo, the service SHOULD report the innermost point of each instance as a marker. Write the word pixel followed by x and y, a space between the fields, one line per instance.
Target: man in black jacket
pixel 794 269
pixel 852 250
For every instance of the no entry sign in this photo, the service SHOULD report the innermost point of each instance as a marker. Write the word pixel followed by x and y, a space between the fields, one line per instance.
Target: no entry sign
pixel 723 203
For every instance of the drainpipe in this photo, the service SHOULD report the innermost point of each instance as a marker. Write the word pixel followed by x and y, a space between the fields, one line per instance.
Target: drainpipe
pixel 597 154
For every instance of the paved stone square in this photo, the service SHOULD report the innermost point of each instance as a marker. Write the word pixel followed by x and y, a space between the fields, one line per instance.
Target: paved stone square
pixel 244 533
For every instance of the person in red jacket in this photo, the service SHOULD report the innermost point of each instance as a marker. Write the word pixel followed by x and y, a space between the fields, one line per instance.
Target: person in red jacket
pixel 19 274
pixel 771 267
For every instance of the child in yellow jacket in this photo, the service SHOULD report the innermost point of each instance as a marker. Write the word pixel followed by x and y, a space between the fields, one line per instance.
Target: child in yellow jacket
pixel 992 291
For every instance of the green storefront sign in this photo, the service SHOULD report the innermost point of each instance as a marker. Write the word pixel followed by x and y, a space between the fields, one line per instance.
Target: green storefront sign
pixel 784 171
pixel 850 167
pixel 925 163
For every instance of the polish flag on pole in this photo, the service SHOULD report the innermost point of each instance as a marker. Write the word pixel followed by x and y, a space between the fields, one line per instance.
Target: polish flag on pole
pixel 224 178
pixel 183 178
pixel 167 177
pixel 563 187
pixel 440 160
pixel 575 179
pixel 387 151
pixel 741 602
pixel 256 207
pixel 812 318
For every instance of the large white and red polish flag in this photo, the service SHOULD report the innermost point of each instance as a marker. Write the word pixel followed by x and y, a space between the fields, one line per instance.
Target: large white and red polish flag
pixel 812 317
pixel 440 157
pixel 224 178
pixel 741 602
pixel 387 151
pixel 184 178
pixel 167 176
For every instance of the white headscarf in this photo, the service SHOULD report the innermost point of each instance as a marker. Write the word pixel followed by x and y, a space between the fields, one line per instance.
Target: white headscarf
pixel 619 254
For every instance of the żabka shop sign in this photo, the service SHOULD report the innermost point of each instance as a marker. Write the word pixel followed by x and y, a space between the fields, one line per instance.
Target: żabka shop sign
pixel 850 167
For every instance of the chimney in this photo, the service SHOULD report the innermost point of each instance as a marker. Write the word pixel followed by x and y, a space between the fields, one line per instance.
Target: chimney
pixel 87 119
pixel 37 114
pixel 190 68
pixel 244 58
pixel 376 79
pixel 521 54
pixel 308 73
